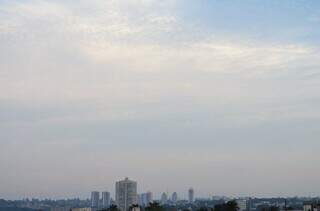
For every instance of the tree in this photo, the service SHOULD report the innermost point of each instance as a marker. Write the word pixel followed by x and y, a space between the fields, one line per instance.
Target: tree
pixel 134 206
pixel 205 209
pixel 154 206
pixel 112 207
pixel 232 206
pixel 218 207
pixel 229 206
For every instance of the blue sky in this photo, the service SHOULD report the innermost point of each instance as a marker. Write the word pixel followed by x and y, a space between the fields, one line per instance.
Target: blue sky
pixel 221 94
pixel 276 21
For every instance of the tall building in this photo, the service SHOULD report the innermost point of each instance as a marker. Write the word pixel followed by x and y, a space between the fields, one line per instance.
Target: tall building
pixel 249 204
pixel 174 197
pixel 94 199
pixel 149 198
pixel 145 199
pixel 164 198
pixel 139 199
pixel 191 195
pixel 105 199
pixel 126 194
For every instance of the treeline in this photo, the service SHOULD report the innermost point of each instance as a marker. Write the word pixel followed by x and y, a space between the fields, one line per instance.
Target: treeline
pixel 155 206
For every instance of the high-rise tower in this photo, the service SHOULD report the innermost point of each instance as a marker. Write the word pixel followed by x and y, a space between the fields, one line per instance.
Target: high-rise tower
pixel 174 197
pixel 94 199
pixel 191 195
pixel 164 198
pixel 126 194
pixel 105 199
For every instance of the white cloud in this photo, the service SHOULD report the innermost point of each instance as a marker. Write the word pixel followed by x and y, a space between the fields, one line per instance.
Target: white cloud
pixel 95 50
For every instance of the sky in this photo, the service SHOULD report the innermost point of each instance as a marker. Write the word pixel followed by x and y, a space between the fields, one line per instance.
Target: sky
pixel 221 96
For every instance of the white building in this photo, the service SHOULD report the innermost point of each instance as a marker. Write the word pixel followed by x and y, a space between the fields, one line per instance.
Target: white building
pixel 311 206
pixel 105 199
pixel 191 195
pixel 126 194
pixel 307 207
pixel 135 209
pixel 95 199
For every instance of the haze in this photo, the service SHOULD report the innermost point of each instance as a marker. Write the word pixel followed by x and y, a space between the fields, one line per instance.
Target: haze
pixel 221 96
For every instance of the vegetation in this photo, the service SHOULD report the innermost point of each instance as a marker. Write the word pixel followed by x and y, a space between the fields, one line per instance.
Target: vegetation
pixel 229 206
pixel 134 206
pixel 154 206
pixel 112 207
pixel 205 209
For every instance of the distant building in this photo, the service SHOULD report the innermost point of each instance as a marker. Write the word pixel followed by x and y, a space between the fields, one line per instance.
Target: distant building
pixel 242 204
pixel 307 207
pixel 191 195
pixel 135 209
pixel 311 206
pixel 174 197
pixel 126 194
pixel 94 199
pixel 144 199
pixel 149 198
pixel 249 204
pixel 164 198
pixel 105 199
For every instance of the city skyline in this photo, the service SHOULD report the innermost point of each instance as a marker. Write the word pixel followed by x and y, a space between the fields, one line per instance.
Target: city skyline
pixel 215 203
pixel 221 96
pixel 126 195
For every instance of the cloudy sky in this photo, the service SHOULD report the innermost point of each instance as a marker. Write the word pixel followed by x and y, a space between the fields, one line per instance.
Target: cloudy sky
pixel 223 96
